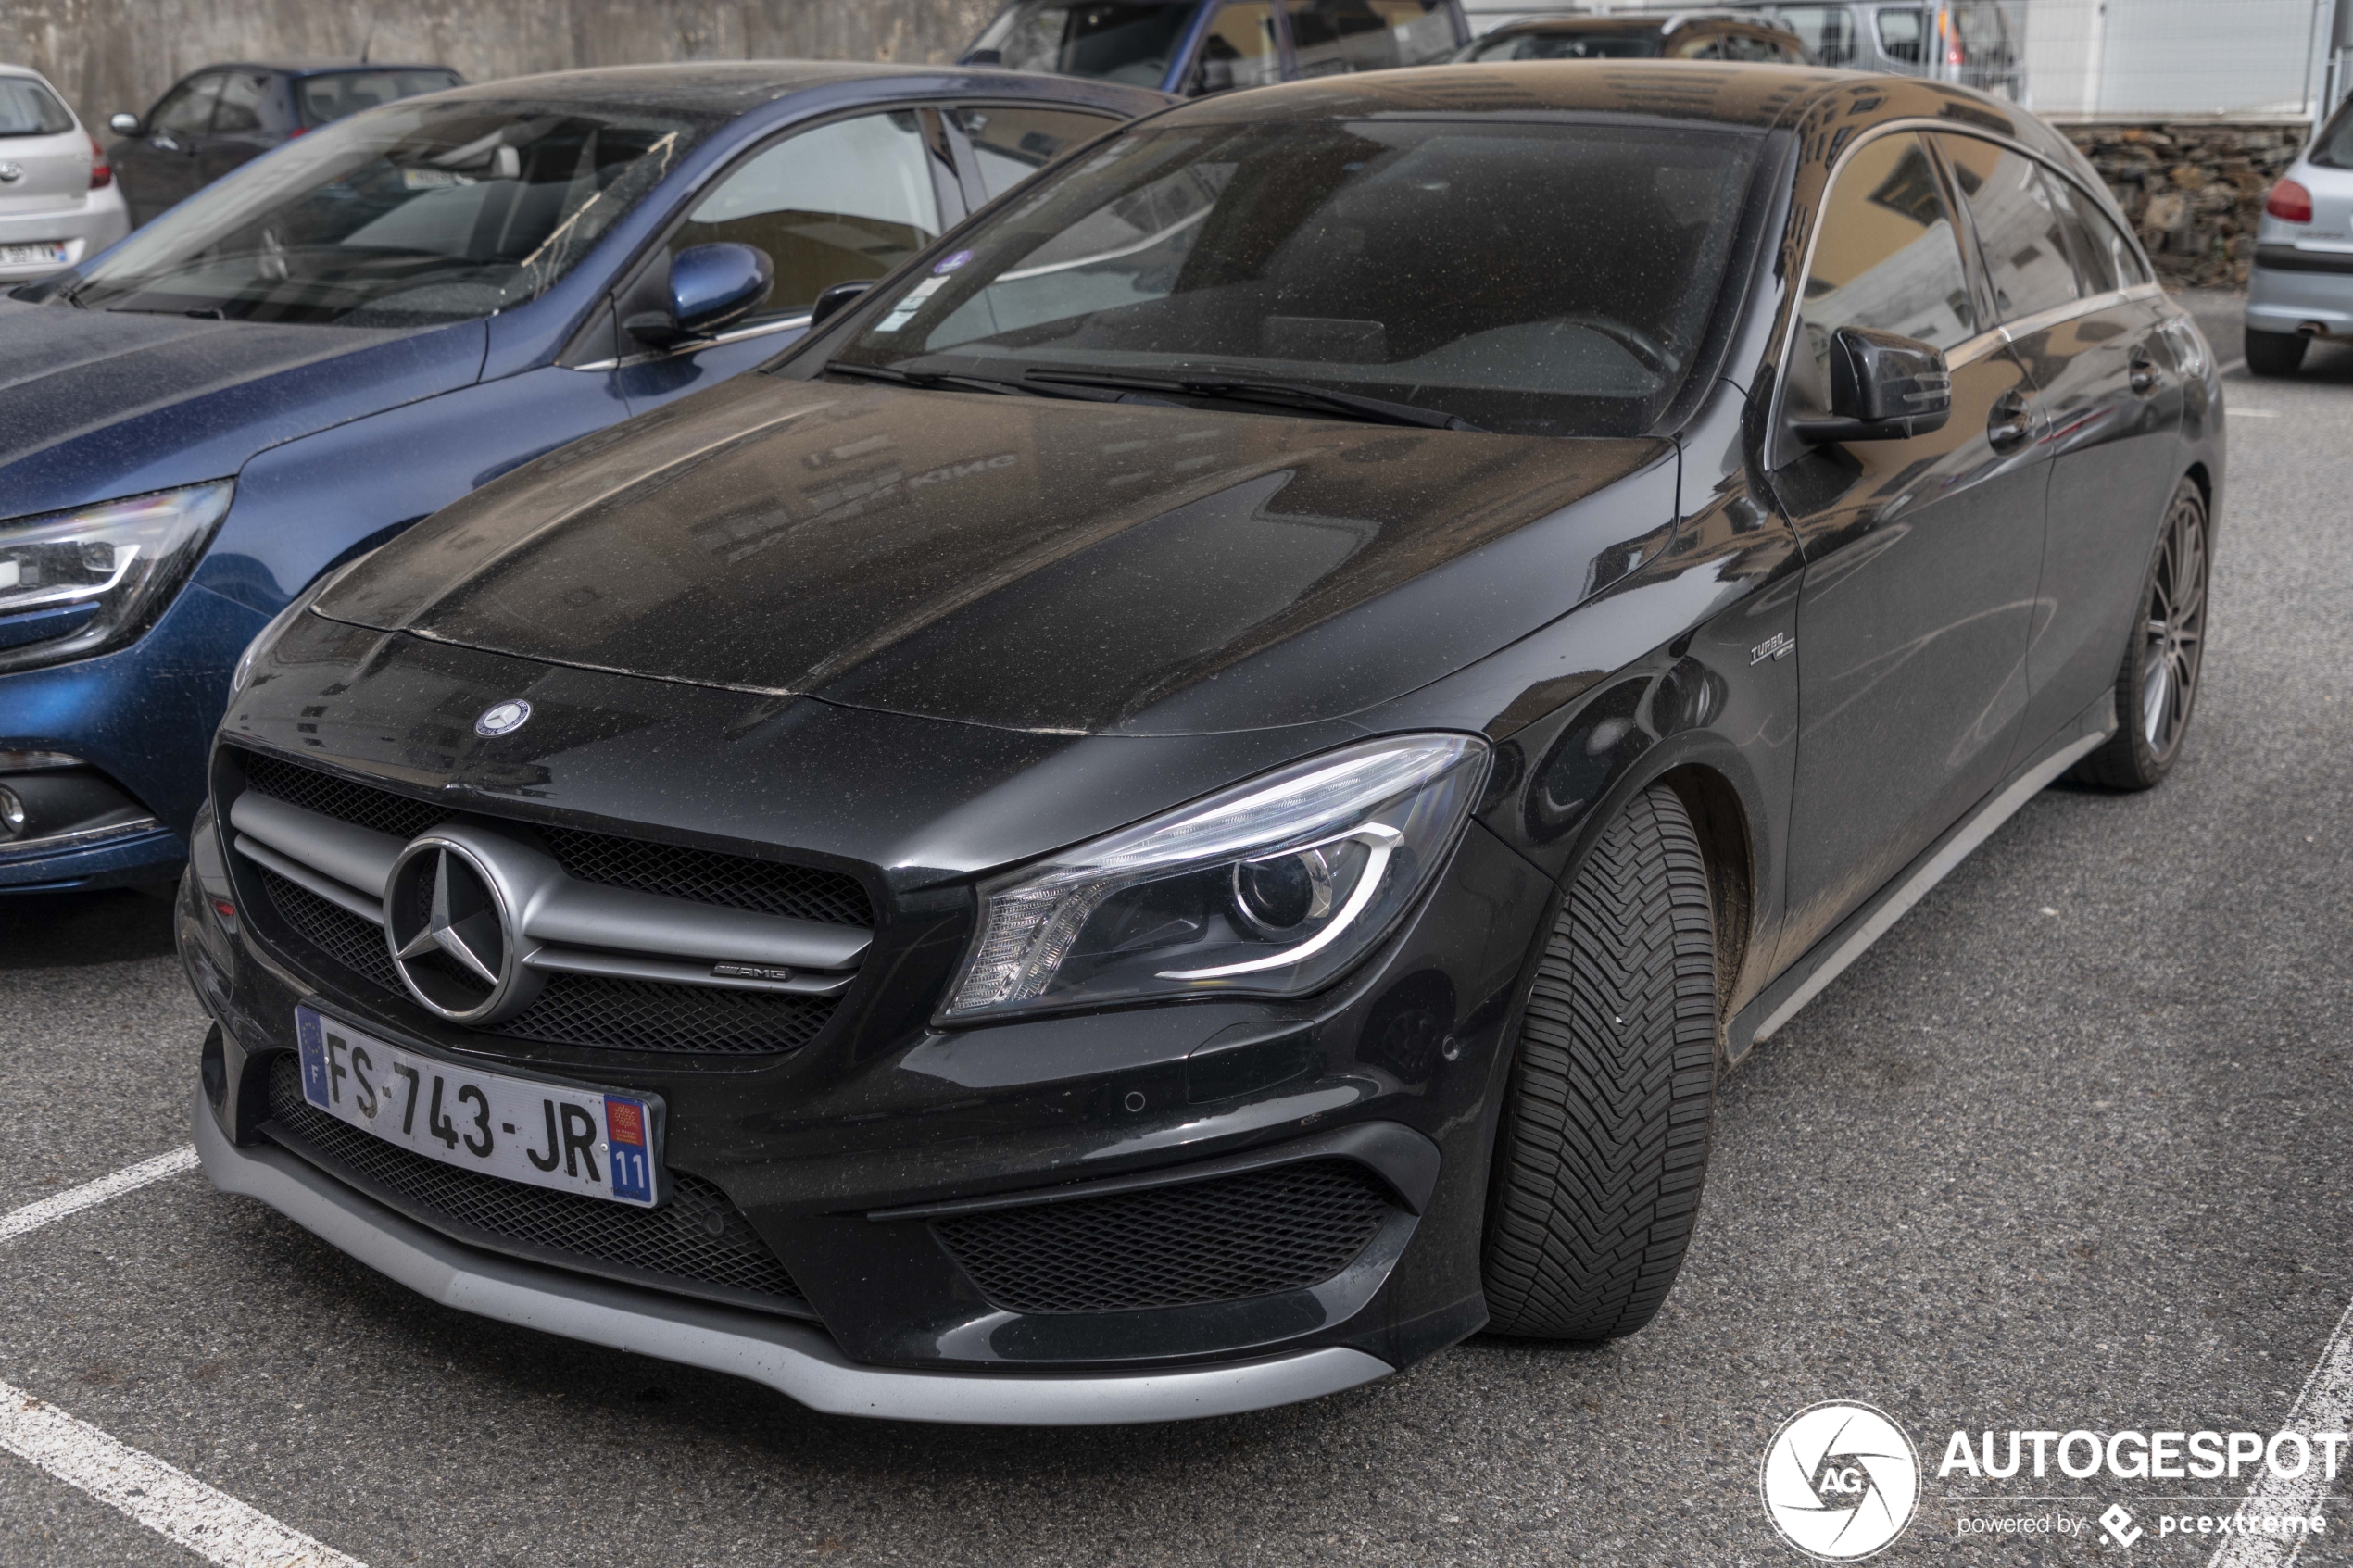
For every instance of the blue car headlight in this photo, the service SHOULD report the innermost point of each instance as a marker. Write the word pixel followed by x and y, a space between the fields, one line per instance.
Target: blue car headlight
pixel 1273 888
pixel 77 582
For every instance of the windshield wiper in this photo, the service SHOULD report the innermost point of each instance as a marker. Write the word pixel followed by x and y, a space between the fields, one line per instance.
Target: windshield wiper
pixel 1281 394
pixel 933 378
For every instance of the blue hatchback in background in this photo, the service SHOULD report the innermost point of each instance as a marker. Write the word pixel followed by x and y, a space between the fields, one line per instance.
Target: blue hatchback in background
pixel 358 327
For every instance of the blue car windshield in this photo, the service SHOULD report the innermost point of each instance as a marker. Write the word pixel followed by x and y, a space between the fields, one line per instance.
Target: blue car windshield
pixel 1527 276
pixel 421 212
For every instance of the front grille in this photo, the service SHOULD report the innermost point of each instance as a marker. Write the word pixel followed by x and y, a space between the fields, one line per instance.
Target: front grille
pixel 699 1243
pixel 706 876
pixel 1225 1239
pixel 575 1010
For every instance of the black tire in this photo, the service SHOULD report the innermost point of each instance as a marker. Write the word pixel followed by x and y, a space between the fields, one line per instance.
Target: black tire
pixel 1603 1148
pixel 2157 683
pixel 2274 353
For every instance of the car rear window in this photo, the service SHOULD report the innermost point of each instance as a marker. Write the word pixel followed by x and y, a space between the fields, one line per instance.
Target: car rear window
pixel 1543 277
pixel 1566 46
pixel 2333 148
pixel 326 98
pixel 27 108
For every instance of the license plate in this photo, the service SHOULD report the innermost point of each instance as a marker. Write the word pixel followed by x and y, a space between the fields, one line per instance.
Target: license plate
pixel 570 1138
pixel 32 256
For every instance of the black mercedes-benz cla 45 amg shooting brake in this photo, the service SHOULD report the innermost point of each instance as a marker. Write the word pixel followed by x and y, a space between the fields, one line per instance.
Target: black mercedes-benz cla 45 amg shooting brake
pixel 1185 804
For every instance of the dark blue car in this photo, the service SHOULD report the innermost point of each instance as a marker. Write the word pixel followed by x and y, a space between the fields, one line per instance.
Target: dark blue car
pixel 358 327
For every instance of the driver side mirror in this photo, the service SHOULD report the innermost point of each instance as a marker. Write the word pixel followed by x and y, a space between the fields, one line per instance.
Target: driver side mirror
pixel 1883 387
pixel 712 287
pixel 123 123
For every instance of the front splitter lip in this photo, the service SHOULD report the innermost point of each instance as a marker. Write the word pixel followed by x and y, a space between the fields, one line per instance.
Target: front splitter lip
pixel 795 1360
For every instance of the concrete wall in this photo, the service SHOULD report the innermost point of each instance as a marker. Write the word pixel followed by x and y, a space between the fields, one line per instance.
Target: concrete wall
pixel 110 55
pixel 2171 59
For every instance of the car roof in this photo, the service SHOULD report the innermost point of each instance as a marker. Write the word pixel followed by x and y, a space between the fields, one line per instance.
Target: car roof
pixel 318 67
pixel 1724 91
pixel 731 87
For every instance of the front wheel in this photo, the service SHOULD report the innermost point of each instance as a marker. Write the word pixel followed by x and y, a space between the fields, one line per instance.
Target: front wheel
pixel 2157 683
pixel 1603 1144
pixel 2274 353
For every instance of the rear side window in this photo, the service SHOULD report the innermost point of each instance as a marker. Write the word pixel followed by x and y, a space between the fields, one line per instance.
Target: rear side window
pixel 844 201
pixel 1886 257
pixel 2020 227
pixel 2103 260
pixel 1903 32
pixel 1010 145
pixel 27 108
pixel 1333 37
pixel 325 98
pixel 1828 32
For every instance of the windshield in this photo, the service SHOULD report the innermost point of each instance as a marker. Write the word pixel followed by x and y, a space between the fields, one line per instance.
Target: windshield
pixel 1541 278
pixel 1565 47
pixel 342 93
pixel 1129 40
pixel 426 211
pixel 27 108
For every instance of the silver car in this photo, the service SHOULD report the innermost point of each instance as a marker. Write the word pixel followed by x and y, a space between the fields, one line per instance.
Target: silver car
pixel 58 204
pixel 1971 42
pixel 2302 286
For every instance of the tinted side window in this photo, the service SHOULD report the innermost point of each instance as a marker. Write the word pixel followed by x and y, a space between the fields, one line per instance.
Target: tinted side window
pixel 1240 50
pixel 851 199
pixel 1330 37
pixel 2019 226
pixel 1010 145
pixel 2103 260
pixel 1828 32
pixel 186 110
pixel 243 93
pixel 1699 44
pixel 1886 258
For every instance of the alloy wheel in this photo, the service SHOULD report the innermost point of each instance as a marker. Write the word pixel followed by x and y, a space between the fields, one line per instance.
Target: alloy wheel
pixel 2173 636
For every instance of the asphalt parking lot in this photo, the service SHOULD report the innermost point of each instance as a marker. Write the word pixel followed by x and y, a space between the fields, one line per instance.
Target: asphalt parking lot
pixel 2068 1150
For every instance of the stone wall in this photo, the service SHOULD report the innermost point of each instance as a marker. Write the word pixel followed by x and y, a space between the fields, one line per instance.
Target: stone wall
pixel 2194 191
pixel 110 55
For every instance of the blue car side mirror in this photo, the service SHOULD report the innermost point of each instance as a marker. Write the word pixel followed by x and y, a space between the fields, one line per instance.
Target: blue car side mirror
pixel 712 287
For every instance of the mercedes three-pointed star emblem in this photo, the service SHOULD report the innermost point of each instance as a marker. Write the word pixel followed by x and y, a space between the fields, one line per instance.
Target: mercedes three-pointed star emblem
pixel 449 912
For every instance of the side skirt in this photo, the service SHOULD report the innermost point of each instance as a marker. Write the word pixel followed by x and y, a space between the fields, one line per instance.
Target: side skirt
pixel 1804 980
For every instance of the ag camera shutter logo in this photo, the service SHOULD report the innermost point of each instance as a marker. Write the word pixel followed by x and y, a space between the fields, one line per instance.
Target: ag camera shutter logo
pixel 1839 1481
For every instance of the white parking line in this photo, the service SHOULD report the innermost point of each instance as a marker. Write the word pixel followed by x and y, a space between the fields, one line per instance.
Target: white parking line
pixel 170 1502
pixel 2324 1405
pixel 131 1178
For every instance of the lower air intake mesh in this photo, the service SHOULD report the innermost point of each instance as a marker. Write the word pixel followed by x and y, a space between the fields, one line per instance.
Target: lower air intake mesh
pixel 699 1243
pixel 1225 1239
pixel 577 1010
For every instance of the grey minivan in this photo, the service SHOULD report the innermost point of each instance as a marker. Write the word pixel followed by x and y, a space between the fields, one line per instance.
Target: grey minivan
pixel 1196 46
pixel 1971 42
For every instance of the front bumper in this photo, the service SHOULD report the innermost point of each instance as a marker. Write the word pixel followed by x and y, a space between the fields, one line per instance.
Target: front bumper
pixel 797 1360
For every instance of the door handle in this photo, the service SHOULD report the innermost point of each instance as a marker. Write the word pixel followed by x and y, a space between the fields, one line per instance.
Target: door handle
pixel 2008 422
pixel 2142 371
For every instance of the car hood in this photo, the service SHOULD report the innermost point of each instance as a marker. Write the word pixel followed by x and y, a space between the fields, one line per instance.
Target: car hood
pixel 1022 562
pixel 96 404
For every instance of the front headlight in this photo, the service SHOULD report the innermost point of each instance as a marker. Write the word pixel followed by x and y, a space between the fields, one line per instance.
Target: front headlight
pixel 74 584
pixel 1271 888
